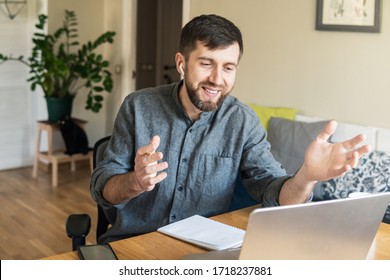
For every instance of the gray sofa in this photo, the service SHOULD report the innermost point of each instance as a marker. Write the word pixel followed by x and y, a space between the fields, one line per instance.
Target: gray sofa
pixel 289 139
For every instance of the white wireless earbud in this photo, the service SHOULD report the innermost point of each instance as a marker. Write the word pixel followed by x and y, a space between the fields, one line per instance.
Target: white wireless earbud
pixel 181 68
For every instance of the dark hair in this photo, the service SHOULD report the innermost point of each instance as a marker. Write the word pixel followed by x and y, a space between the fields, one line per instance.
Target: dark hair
pixel 214 31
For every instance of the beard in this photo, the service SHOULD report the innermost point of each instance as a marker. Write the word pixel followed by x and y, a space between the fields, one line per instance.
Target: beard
pixel 204 105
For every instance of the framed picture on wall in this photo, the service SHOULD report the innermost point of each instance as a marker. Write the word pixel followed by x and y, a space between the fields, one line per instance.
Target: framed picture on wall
pixel 348 15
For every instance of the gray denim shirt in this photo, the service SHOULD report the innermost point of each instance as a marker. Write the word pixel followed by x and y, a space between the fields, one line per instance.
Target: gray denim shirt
pixel 204 159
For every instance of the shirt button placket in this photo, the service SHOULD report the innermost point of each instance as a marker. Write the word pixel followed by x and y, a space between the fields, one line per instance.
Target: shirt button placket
pixel 182 178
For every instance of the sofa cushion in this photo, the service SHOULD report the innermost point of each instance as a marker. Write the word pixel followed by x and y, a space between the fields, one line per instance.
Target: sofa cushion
pixel 289 140
pixel 371 175
pixel 265 113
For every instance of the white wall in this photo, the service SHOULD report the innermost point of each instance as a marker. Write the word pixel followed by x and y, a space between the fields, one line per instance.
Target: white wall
pixel 14 94
pixel 286 62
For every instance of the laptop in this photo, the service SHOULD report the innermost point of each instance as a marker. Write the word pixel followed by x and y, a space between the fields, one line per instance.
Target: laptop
pixel 326 230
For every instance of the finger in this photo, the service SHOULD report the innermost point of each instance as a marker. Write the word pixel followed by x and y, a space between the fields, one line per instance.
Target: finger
pixel 153 168
pixel 351 162
pixel 151 158
pixel 353 142
pixel 151 147
pixel 155 142
pixel 363 150
pixel 149 183
pixel 328 131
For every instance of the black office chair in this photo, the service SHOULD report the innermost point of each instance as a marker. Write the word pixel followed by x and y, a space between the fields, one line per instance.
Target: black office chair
pixel 79 225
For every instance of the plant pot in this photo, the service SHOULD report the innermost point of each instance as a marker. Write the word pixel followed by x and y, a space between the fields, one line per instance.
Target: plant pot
pixel 59 107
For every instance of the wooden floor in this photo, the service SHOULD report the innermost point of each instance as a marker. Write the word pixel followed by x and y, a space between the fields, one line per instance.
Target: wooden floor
pixel 33 213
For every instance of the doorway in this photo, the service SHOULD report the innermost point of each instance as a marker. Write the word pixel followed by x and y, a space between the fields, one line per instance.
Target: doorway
pixel 159 23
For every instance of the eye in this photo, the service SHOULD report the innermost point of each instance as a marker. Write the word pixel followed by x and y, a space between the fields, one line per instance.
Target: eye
pixel 206 65
pixel 229 68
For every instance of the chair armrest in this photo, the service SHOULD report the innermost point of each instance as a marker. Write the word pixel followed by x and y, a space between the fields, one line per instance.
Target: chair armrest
pixel 77 228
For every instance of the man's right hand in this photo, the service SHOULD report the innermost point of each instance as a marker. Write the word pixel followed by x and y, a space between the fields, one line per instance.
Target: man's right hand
pixel 123 187
pixel 146 166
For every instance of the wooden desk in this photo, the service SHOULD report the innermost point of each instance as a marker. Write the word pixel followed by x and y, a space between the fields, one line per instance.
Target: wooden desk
pixel 157 246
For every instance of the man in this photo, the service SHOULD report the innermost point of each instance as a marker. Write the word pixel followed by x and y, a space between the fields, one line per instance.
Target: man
pixel 176 150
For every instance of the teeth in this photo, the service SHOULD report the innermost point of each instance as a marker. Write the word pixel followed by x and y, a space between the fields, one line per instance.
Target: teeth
pixel 212 91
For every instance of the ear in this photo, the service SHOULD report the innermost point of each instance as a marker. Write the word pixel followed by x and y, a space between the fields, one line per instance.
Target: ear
pixel 179 58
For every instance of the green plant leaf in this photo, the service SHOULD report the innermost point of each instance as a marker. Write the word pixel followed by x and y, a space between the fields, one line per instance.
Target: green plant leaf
pixel 98 89
pixel 98 98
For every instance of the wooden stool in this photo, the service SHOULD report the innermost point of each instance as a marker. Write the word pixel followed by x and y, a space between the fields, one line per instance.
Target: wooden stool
pixel 56 157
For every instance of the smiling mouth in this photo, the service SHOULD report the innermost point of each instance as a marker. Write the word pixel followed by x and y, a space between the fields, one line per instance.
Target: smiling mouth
pixel 211 92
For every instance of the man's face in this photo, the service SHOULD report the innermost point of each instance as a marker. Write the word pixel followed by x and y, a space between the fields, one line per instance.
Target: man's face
pixel 210 75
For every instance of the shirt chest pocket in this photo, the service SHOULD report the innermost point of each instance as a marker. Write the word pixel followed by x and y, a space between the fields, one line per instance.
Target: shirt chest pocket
pixel 215 174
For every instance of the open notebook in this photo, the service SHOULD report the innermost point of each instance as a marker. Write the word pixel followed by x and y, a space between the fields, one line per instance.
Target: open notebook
pixel 205 232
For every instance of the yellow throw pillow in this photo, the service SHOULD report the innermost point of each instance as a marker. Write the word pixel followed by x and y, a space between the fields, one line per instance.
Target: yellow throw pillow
pixel 265 113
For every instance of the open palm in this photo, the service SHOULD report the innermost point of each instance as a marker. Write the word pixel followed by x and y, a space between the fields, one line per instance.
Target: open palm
pixel 324 160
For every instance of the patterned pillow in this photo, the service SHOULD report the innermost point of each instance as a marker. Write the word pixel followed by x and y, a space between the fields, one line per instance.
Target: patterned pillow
pixel 371 175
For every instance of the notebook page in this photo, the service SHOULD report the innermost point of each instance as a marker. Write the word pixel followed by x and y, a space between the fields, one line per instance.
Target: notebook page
pixel 205 233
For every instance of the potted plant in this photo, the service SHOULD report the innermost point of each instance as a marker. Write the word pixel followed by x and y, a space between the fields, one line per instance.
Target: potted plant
pixel 62 71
